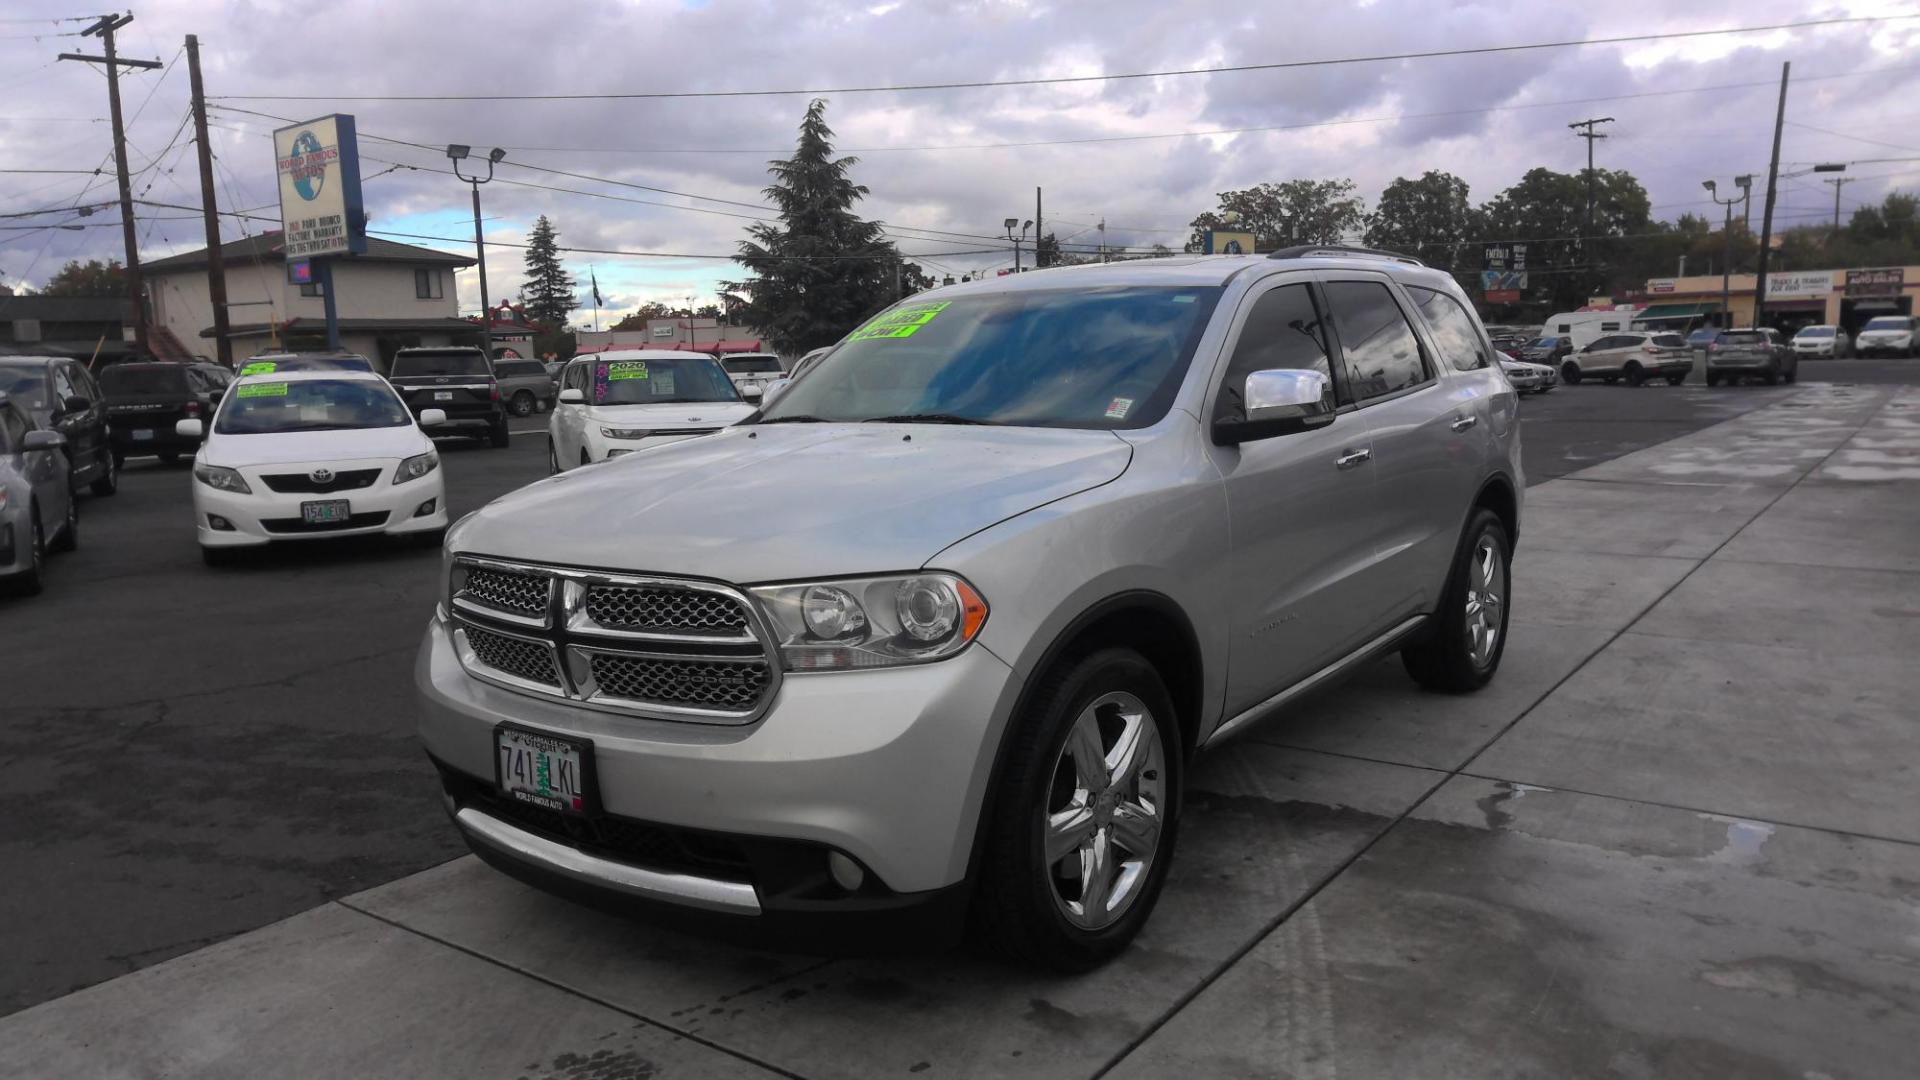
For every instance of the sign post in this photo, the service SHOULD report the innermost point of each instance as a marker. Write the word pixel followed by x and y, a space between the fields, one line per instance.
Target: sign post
pixel 321 215
pixel 1503 274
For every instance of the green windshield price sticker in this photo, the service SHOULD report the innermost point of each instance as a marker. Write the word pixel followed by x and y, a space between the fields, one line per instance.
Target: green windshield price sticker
pixel 260 367
pixel 265 389
pixel 629 369
pixel 901 322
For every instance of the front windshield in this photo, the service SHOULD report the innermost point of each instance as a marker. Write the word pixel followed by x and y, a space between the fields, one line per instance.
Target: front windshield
pixel 1082 358
pixel 1816 331
pixel 262 408
pixel 659 381
pixel 1889 322
pixel 1543 343
pixel 451 362
pixel 26 386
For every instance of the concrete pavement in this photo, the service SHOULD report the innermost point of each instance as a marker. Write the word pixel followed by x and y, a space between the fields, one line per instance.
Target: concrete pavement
pixel 1679 836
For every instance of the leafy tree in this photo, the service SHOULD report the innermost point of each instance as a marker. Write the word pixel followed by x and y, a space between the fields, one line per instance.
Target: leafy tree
pixel 561 343
pixel 1428 218
pixel 707 311
pixel 1548 211
pixel 1288 213
pixel 637 320
pixel 549 289
pixel 822 269
pixel 91 278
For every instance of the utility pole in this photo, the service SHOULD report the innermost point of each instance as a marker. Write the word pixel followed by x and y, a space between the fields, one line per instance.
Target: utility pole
pixel 1766 214
pixel 1838 183
pixel 1590 135
pixel 210 210
pixel 1040 230
pixel 104 28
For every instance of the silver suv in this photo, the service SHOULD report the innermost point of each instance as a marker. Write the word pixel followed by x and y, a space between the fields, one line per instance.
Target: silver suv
pixel 929 641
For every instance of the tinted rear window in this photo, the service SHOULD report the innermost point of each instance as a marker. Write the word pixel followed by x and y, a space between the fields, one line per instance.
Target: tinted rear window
pixel 131 380
pixel 1746 337
pixel 1670 341
pixel 751 365
pixel 451 362
pixel 517 369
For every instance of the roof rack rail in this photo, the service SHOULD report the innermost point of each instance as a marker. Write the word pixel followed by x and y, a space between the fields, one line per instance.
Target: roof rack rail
pixel 1338 251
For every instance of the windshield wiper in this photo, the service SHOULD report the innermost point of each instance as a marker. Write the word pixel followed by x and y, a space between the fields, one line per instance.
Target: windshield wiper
pixel 925 418
pixel 797 419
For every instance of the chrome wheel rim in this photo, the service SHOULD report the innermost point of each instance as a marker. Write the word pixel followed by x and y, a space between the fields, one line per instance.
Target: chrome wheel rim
pixel 1486 601
pixel 1105 811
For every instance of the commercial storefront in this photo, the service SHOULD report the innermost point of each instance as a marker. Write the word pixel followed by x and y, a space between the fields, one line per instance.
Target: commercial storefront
pixel 1795 298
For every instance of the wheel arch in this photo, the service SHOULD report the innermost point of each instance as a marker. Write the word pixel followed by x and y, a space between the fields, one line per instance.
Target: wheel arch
pixel 1498 495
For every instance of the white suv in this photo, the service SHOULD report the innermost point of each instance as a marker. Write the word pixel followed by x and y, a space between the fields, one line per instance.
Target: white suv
pixel 929 641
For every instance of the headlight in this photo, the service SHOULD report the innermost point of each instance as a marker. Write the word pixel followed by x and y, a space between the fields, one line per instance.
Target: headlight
pixel 625 432
pixel 416 467
pixel 221 479
pixel 872 622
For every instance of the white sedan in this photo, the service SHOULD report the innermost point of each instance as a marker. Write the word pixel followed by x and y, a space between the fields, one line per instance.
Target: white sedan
pixel 1529 378
pixel 616 402
pixel 311 454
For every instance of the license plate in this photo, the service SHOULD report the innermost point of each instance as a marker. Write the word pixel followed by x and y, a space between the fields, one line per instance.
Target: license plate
pixel 443 395
pixel 143 435
pixel 543 770
pixel 325 513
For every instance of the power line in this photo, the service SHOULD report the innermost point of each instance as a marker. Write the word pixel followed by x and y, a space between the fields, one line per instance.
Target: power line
pixel 1483 50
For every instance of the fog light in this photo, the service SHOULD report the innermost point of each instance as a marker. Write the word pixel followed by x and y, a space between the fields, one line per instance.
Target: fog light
pixel 617 453
pixel 846 873
pixel 426 508
pixel 218 523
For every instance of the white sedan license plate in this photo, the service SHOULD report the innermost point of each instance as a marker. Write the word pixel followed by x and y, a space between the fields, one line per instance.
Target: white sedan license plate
pixel 443 395
pixel 327 512
pixel 544 770
pixel 142 434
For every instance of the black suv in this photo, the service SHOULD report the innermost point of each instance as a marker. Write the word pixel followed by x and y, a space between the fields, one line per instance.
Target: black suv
pixel 145 400
pixel 60 394
pixel 456 380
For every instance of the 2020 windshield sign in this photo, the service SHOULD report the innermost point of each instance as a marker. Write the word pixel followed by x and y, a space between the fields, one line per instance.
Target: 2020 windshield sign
pixel 901 322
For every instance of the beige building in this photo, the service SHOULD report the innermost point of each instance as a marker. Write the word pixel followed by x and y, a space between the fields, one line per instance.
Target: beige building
pixel 1795 298
pixel 395 295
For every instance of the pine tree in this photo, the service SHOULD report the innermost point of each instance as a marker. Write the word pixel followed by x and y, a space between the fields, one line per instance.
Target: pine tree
pixel 549 289
pixel 822 270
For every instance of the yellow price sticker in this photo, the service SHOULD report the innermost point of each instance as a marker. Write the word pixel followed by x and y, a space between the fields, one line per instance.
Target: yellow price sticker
pixel 265 389
pixel 260 367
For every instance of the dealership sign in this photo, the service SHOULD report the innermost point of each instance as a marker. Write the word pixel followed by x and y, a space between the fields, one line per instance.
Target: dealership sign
pixel 1662 285
pixel 318 162
pixel 1884 282
pixel 1816 284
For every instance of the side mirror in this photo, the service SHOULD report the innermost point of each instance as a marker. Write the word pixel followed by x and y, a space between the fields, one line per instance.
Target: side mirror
pixel 773 390
pixel 189 429
pixel 572 395
pixel 75 404
pixel 1280 401
pixel 43 440
pixel 432 417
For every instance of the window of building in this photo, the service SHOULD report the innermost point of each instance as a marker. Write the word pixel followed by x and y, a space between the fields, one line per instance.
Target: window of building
pixel 311 288
pixel 428 285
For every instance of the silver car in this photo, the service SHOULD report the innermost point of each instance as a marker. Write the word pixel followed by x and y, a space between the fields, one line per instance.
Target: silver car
pixel 38 512
pixel 931 642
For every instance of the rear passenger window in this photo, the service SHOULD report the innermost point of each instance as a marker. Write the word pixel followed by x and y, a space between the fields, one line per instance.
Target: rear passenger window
pixel 1380 353
pixel 1284 330
pixel 1453 330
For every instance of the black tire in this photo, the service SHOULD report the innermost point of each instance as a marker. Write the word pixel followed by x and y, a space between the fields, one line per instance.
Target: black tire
pixel 1792 376
pixel 1446 657
pixel 30 581
pixel 584 459
pixel 1610 379
pixel 1635 374
pixel 498 436
pixel 1019 912
pixel 119 461
pixel 521 404
pixel 69 535
pixel 168 457
pixel 430 539
pixel 1771 378
pixel 109 481
pixel 1712 379
pixel 1570 373
pixel 1676 380
pixel 553 459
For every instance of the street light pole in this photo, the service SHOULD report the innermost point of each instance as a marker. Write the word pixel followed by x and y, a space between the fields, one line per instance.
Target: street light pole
pixel 1726 235
pixel 1010 223
pixel 458 153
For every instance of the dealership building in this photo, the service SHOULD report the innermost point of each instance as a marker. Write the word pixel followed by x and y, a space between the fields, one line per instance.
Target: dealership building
pixel 1795 298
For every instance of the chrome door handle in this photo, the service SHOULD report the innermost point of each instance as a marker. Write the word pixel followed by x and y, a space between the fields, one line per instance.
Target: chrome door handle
pixel 1465 422
pixel 1351 458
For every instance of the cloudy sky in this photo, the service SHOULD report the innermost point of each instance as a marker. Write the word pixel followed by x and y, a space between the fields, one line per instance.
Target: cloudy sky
pixel 1686 110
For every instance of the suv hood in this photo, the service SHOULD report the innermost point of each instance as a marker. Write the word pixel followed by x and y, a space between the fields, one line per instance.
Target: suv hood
pixel 781 502
pixel 305 447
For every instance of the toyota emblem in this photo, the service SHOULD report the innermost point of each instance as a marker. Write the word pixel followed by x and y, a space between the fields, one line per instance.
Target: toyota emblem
pixel 321 476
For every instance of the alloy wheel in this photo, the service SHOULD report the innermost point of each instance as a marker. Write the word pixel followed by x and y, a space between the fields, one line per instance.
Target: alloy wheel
pixel 1105 811
pixel 1486 599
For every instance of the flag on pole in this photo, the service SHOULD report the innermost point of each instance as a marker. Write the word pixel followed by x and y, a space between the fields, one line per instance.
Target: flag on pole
pixel 591 276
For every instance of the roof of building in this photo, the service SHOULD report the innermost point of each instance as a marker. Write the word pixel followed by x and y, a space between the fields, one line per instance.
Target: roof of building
pixel 450 325
pixel 65 308
pixel 266 247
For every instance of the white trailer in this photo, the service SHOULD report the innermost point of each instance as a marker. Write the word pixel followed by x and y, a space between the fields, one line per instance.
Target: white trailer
pixel 1585 327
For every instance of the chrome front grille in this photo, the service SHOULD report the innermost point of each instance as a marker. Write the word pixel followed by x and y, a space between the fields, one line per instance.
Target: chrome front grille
pixel 661 647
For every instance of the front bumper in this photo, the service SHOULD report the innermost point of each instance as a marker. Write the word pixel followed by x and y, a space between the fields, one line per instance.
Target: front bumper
pixel 600 447
pixel 1882 348
pixel 1742 365
pixel 888 766
pixel 133 439
pixel 268 516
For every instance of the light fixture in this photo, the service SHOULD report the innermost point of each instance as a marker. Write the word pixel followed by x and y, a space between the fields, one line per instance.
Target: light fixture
pixel 1710 186
pixel 1010 223
pixel 1743 182
pixel 458 152
pixel 1830 166
pixel 1024 226
pixel 496 155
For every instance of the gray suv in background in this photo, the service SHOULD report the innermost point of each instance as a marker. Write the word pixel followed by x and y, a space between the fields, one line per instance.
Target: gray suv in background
pixel 1018 550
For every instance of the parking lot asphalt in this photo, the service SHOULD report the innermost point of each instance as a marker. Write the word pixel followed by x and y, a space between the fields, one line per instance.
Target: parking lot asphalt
pixel 194 754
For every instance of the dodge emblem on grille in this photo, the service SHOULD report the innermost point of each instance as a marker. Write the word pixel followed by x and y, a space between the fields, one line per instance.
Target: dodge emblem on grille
pixel 321 476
